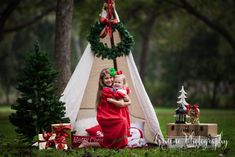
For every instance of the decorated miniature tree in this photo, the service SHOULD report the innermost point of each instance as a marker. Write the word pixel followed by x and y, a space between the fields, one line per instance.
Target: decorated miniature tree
pixel 182 111
pixel 182 97
pixel 37 107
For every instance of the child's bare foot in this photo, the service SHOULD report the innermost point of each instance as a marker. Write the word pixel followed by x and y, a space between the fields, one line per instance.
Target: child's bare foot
pixel 84 144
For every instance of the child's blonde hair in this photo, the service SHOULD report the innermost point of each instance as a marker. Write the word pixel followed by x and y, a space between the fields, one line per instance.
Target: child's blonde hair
pixel 122 76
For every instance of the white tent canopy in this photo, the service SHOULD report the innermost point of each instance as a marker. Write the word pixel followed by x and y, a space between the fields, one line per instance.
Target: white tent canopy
pixel 80 93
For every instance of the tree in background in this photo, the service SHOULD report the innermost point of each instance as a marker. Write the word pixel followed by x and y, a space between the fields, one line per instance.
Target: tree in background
pixel 37 107
pixel 160 41
pixel 16 15
pixel 62 52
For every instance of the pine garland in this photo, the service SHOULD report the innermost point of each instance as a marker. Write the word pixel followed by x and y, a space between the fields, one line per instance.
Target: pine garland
pixel 102 50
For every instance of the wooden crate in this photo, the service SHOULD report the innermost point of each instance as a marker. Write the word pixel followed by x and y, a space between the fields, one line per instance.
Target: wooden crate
pixel 202 129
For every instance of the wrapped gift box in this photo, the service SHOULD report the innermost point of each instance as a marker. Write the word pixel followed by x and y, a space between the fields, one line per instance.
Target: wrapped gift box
pixel 46 140
pixel 63 135
pixel 77 140
pixel 202 129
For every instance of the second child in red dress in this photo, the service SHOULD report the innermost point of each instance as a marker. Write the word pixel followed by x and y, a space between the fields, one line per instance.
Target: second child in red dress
pixel 121 91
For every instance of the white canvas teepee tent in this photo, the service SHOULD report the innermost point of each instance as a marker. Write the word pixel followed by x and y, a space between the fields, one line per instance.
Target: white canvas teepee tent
pixel 80 93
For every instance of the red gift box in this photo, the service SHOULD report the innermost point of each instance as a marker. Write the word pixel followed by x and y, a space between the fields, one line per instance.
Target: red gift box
pixel 63 135
pixel 46 140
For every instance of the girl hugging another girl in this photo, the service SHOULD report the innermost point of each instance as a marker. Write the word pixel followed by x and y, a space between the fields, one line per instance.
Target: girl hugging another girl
pixel 112 110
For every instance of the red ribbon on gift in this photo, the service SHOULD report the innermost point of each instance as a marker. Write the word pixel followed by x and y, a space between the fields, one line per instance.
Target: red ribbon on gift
pixel 108 21
pixel 60 142
pixel 195 107
pixel 60 130
pixel 61 135
pixel 187 108
pixel 46 137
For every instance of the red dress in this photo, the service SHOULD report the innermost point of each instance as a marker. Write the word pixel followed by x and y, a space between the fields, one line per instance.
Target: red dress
pixel 121 94
pixel 114 121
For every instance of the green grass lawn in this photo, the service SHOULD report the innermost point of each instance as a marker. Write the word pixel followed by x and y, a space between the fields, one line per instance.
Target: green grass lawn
pixel 10 147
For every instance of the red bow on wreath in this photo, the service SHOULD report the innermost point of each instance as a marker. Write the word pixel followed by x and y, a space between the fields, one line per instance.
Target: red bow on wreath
pixel 46 137
pixel 108 21
pixel 108 28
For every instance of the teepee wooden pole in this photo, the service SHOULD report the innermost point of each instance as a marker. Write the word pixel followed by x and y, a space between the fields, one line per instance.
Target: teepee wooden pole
pixel 114 60
pixel 112 39
pixel 115 64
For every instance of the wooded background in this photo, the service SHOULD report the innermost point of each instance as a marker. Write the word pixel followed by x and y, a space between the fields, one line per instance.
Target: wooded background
pixel 177 42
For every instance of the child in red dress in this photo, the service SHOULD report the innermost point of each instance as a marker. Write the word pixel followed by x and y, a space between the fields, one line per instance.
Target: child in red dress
pixel 112 115
pixel 121 92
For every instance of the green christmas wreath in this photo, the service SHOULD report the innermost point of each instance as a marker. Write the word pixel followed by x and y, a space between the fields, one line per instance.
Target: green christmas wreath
pixel 102 50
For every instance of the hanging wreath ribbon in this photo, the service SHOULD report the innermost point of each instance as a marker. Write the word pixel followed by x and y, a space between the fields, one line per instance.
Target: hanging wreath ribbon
pixel 110 8
pixel 101 50
pixel 108 26
pixel 108 22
